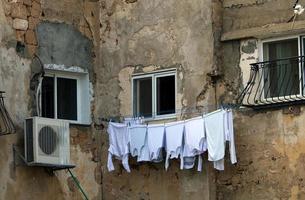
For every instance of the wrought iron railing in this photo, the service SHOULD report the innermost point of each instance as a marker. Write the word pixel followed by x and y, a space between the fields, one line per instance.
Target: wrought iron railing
pixel 275 83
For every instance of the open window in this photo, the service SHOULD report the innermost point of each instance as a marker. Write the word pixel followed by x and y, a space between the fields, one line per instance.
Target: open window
pixel 65 96
pixel 154 95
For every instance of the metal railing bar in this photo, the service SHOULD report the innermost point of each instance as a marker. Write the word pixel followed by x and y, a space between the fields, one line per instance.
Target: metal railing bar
pixel 277 60
pixel 278 81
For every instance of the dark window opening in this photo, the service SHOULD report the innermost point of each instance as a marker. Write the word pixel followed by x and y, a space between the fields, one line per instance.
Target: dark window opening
pixel 143 97
pixel 166 91
pixel 281 77
pixel 47 97
pixel 66 98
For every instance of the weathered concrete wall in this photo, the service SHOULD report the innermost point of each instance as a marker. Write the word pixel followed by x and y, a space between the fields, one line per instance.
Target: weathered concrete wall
pixel 241 14
pixel 146 36
pixel 76 27
pixel 270 145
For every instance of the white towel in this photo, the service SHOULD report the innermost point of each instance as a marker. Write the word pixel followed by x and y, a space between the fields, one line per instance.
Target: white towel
pixel 215 135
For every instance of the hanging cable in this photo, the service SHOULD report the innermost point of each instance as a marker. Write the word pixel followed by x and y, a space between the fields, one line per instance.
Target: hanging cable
pixel 39 76
pixel 78 185
pixel 6 123
pixel 296 3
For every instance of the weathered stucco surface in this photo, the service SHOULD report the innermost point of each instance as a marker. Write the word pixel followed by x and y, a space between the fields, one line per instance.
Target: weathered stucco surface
pixel 16 71
pixel 113 40
pixel 269 143
pixel 147 36
pixel 241 14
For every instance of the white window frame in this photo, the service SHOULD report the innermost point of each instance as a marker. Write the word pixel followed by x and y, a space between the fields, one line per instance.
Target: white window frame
pixel 300 53
pixel 154 76
pixel 83 94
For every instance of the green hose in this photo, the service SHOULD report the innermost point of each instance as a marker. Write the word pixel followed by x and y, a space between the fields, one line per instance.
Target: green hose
pixel 78 185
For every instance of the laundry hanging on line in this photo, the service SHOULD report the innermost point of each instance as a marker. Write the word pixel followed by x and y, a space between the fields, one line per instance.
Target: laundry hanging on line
pixel 185 139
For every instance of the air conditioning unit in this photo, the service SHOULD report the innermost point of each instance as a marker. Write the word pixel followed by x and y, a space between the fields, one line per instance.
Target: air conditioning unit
pixel 47 141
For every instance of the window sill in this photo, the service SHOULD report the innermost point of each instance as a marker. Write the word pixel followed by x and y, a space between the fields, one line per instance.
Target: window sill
pixel 161 118
pixel 74 123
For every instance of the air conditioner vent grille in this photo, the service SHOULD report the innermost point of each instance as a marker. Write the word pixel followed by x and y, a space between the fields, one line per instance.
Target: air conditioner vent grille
pixel 47 140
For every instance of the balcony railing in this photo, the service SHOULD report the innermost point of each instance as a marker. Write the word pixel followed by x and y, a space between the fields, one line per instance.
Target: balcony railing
pixel 275 83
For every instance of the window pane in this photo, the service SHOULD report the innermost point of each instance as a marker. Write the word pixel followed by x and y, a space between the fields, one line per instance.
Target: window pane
pixel 143 97
pixel 166 92
pixel 47 97
pixel 281 77
pixel 66 99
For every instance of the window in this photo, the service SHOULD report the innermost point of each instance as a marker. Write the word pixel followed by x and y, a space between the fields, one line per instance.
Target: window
pixel 281 74
pixel 65 95
pixel 154 95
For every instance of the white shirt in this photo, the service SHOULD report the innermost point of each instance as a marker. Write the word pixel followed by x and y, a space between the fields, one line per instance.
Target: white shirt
pixel 155 140
pixel 173 137
pixel 118 145
pixel 194 143
pixel 137 140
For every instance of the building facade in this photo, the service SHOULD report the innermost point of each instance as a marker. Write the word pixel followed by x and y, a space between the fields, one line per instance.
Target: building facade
pixel 166 60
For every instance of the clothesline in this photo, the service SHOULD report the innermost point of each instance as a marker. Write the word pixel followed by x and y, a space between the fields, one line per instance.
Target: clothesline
pixel 198 111
pixel 184 139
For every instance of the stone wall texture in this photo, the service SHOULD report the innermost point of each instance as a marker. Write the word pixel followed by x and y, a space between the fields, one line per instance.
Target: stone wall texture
pixel 19 41
pixel 115 39
pixel 270 142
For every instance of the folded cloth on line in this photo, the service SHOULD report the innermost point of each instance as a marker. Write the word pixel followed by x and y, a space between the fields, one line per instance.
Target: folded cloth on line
pixel 229 137
pixel 219 130
pixel 215 135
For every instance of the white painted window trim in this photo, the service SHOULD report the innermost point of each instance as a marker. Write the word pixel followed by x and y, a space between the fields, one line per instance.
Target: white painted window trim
pixel 154 76
pixel 262 41
pixel 300 53
pixel 83 94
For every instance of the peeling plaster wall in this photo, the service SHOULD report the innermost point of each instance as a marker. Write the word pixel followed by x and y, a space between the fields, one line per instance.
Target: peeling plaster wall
pixel 270 145
pixel 242 14
pixel 16 71
pixel 147 36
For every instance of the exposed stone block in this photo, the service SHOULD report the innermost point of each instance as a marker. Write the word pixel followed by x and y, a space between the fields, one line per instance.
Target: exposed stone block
pixel 27 2
pixel 7 8
pixel 30 37
pixel 33 21
pixel 36 9
pixel 20 35
pixel 20 24
pixel 31 49
pixel 19 11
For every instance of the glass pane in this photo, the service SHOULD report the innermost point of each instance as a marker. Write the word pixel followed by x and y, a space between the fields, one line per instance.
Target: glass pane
pixel 66 98
pixel 166 92
pixel 281 78
pixel 143 97
pixel 47 97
